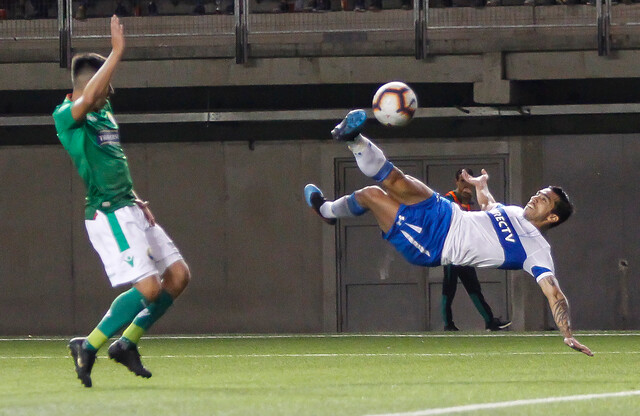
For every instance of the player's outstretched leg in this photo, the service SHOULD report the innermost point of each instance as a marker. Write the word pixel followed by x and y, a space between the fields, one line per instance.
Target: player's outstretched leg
pixel 346 206
pixel 127 354
pixel 371 161
pixel 374 164
pixel 83 359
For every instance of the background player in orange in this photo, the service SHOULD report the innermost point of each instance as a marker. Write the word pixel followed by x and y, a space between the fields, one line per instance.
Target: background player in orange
pixel 463 196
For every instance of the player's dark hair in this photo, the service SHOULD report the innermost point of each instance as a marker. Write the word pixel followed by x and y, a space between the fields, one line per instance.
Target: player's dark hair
pixel 84 61
pixel 563 207
pixel 459 172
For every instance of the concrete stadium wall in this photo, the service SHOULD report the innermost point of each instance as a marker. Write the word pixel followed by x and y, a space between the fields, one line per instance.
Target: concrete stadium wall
pixel 237 215
pixel 598 250
pixel 255 249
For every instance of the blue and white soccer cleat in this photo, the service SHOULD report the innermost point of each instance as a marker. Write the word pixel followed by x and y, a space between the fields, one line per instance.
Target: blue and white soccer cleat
pixel 314 197
pixel 350 127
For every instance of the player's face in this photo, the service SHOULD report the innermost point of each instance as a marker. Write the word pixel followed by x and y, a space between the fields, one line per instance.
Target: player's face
pixel 540 205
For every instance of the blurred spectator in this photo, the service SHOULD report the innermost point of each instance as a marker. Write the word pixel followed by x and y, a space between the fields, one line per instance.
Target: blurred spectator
pixel 376 6
pixel 321 5
pixel 41 8
pixel 120 9
pixel 152 8
pixel 283 7
pixel 81 11
pixel 20 11
pixel 199 9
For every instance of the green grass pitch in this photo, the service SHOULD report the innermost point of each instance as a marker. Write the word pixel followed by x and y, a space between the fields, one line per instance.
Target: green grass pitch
pixel 412 374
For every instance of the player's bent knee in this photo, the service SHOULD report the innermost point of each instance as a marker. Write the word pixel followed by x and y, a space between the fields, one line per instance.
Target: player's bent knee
pixel 185 275
pixel 370 193
pixel 176 278
pixel 149 287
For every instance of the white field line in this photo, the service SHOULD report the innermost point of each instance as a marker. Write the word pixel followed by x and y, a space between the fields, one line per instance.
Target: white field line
pixel 328 336
pixel 336 355
pixel 514 403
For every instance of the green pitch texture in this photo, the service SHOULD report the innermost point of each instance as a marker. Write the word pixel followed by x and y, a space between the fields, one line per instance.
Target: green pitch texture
pixel 345 375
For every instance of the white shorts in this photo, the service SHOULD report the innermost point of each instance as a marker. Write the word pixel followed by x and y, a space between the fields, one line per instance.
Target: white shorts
pixel 130 249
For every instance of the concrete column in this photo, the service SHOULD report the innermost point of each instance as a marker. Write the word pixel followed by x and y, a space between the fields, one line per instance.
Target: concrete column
pixel 529 305
pixel 493 88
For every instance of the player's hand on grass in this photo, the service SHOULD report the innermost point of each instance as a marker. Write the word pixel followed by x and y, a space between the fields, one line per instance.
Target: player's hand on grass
pixel 144 206
pixel 574 344
pixel 117 35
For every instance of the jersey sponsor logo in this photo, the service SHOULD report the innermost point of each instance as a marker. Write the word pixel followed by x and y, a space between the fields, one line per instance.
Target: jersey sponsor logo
pixel 108 137
pixel 514 253
pixel 503 225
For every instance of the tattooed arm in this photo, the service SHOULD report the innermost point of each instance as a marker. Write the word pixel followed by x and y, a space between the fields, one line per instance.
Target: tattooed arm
pixel 560 310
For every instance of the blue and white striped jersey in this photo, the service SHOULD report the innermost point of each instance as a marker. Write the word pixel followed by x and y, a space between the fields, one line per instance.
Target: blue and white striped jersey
pixel 500 238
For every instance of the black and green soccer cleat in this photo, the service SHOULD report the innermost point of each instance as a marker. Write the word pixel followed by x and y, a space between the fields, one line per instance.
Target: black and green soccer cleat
pixel 451 327
pixel 83 360
pixel 128 355
pixel 497 325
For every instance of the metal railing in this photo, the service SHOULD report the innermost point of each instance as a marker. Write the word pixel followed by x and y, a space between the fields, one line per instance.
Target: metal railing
pixel 249 28
pixel 603 8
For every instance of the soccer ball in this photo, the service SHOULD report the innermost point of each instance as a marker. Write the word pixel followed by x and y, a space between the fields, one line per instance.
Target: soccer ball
pixel 394 104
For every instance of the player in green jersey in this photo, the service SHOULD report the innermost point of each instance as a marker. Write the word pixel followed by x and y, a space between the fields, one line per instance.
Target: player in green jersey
pixel 133 248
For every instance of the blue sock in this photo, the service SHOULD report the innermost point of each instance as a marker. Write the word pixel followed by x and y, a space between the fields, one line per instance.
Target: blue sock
pixel 346 206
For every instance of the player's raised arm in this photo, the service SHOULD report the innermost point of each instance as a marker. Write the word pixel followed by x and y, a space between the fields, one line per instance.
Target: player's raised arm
pixel 98 87
pixel 560 310
pixel 485 199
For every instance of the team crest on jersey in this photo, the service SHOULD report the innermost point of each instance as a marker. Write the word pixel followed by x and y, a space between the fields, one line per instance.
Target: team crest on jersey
pixel 108 137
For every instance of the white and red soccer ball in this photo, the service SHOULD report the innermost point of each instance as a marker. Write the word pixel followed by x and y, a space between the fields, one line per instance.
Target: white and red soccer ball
pixel 394 104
